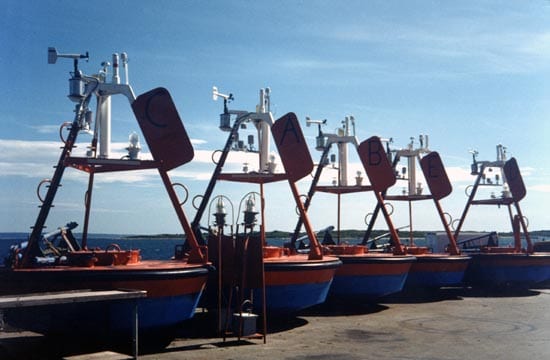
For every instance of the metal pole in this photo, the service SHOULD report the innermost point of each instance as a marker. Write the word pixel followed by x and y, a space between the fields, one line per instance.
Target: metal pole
pixel 262 215
pixel 411 241
pixel 219 267
pixel 54 185
pixel 195 225
pixel 393 232
pixel 377 209
pixel 311 192
pixel 135 335
pixel 469 202
pixel 339 218
pixel 195 255
pixel 454 248
pixel 87 204
pixel 530 248
pixel 315 252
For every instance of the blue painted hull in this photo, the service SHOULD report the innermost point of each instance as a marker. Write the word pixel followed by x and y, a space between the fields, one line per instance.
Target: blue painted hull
pixel 173 291
pixel 292 283
pixel 509 269
pixel 155 313
pixel 369 287
pixel 106 319
pixel 296 283
pixel 434 279
pixel 434 271
pixel 370 276
pixel 293 298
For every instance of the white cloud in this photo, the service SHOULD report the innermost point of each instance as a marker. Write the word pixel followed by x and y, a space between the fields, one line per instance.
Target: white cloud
pixel 540 188
pixel 459 175
pixel 527 171
pixel 35 159
pixel 474 47
pixel 15 150
pixel 26 169
pixel 317 64
pixel 536 44
pixel 45 129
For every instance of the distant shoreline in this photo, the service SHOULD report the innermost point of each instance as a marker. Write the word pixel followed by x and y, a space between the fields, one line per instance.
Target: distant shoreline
pixel 343 234
pixel 347 234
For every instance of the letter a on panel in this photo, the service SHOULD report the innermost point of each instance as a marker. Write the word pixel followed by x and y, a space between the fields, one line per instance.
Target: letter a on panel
pixel 292 147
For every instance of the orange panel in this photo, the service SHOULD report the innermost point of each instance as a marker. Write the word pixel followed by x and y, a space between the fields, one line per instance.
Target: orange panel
pixel 298 277
pixel 167 287
pixel 514 179
pixel 292 147
pixel 436 176
pixel 376 164
pixel 163 129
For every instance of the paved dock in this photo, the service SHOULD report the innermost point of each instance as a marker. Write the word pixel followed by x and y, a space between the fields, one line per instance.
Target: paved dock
pixel 448 324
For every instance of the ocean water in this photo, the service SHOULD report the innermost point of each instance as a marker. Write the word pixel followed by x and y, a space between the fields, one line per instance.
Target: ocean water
pixel 151 248
pixel 158 248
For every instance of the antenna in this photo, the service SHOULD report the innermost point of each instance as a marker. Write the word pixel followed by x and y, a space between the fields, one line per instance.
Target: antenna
pixel 216 94
pixel 77 84
pixel 124 59
pixel 318 122
pixel 53 55
pixel 320 138
pixel 225 117
pixel 474 167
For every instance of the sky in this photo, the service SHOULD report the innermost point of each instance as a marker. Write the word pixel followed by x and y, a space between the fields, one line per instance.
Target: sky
pixel 471 74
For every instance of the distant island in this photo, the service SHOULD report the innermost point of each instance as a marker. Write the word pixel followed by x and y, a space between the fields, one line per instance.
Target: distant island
pixel 279 234
pixel 349 234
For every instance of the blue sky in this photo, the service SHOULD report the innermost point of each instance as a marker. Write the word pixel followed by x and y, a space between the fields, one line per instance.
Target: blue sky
pixel 471 74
